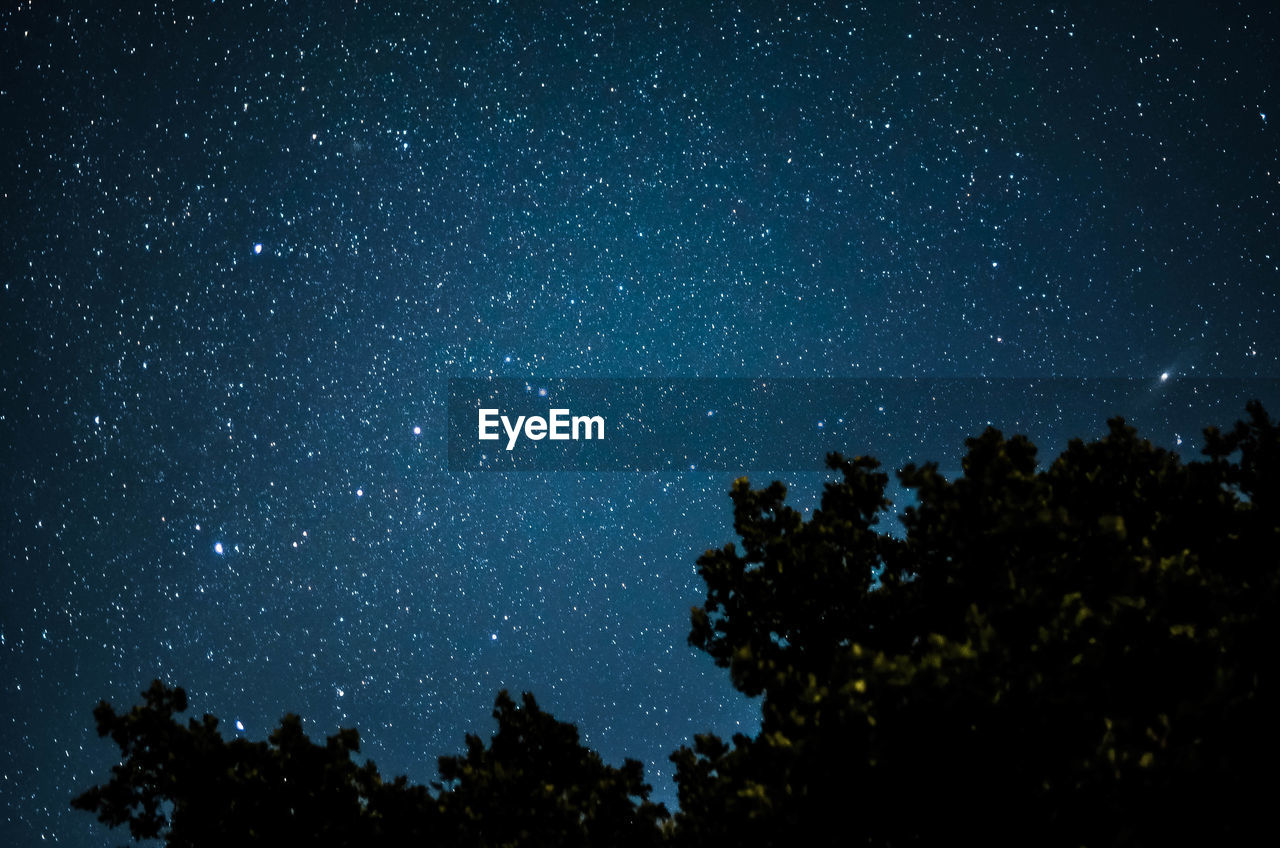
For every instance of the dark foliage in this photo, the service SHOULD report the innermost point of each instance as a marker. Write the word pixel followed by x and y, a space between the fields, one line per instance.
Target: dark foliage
pixel 195 788
pixel 1079 655
pixel 1076 655
pixel 535 785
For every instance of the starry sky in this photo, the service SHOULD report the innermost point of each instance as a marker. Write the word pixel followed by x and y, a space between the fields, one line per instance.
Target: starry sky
pixel 247 245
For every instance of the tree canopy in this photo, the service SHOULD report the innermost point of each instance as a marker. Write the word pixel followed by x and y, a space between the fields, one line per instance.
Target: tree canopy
pixel 1080 654
pixel 534 785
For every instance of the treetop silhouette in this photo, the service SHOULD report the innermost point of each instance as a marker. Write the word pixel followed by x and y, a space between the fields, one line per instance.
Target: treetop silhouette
pixel 1080 654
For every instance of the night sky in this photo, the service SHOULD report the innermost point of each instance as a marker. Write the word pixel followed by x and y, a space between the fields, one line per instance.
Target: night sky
pixel 247 245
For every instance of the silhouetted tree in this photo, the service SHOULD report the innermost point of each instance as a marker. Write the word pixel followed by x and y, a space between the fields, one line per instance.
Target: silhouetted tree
pixel 194 788
pixel 536 786
pixel 1079 655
